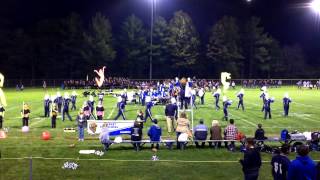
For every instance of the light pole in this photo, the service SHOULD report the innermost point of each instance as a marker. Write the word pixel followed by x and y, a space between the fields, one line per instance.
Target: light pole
pixel 151 40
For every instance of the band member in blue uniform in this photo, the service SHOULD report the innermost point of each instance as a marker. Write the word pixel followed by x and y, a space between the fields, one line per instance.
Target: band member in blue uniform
pixel 100 96
pixel 286 104
pixel 46 104
pixel 65 111
pixel 216 95
pixel 121 107
pixel 91 103
pixel 149 105
pixel 201 94
pixel 226 104
pixel 59 101
pixel 86 110
pixel 240 95
pixel 73 100
pixel 267 106
pixel 263 96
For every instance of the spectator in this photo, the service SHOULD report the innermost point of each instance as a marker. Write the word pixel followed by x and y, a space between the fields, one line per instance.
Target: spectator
pixel 215 132
pixel 171 112
pixel 200 134
pixel 280 163
pixel 104 138
pixel 81 124
pixel 183 125
pixel 230 133
pixel 251 161
pixel 136 135
pixel 303 167
pixel 259 134
pixel 154 133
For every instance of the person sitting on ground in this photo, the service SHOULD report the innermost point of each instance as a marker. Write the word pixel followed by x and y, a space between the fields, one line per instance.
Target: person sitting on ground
pixel 215 132
pixel 136 135
pixel 280 163
pixel 251 161
pixel 230 133
pixel 154 133
pixel 200 134
pixel 259 134
pixel 183 126
pixel 303 167
pixel 104 138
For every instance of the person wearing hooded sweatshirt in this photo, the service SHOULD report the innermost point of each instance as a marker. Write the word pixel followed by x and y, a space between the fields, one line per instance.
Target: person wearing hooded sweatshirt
pixel 155 133
pixel 286 104
pixel 303 167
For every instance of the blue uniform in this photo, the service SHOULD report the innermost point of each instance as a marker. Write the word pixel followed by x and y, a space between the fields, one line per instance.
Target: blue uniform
pixel 91 106
pixel 217 97
pixel 286 104
pixel 263 97
pixel 280 165
pixel 240 96
pixel 226 104
pixel 148 111
pixel 65 110
pixel 121 107
pixel 73 101
pixel 59 102
pixel 47 103
pixel 267 108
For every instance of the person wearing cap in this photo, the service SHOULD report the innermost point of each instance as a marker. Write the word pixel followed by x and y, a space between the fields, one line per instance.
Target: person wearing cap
pixel 54 114
pixel 2 110
pixel 81 120
pixel 171 112
pixel 155 133
pixel 65 110
pixel 46 104
pixel 200 133
pixel 73 100
pixel 100 111
pixel 25 113
pixel 267 106
pixel 303 167
pixel 121 107
pixel 286 104
pixel 226 104
pixel 215 132
pixel 240 95
pixel 149 105
pixel 280 163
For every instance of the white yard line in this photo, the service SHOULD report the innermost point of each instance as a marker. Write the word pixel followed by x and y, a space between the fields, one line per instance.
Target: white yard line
pixel 111 113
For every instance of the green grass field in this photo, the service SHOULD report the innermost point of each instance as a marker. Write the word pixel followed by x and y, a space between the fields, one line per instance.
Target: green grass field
pixel 121 162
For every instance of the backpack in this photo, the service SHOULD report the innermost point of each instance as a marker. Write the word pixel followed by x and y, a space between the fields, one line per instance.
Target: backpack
pixel 284 136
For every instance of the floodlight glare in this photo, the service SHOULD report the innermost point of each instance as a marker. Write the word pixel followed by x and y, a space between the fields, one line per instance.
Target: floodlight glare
pixel 315 5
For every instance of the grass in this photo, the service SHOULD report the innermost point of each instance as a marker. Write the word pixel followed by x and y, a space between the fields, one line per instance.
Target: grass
pixel 121 162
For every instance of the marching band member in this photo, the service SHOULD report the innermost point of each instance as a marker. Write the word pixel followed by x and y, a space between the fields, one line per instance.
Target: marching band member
pixel 240 96
pixel 267 106
pixel 216 95
pixel 25 113
pixel 2 110
pixel 226 104
pixel 149 105
pixel 74 100
pixel 66 102
pixel 46 104
pixel 54 114
pixel 121 107
pixel 100 111
pixel 286 104
pixel 100 96
pixel 201 94
pixel 59 101
pixel 193 97
pixel 263 96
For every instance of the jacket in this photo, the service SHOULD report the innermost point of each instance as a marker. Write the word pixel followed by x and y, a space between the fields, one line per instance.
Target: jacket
pixel 155 133
pixel 215 132
pixel 183 125
pixel 303 167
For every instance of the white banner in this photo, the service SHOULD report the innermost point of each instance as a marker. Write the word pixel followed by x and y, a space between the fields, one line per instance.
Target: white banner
pixel 116 127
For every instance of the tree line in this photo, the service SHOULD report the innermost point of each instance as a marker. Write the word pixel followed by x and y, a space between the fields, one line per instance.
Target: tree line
pixel 68 48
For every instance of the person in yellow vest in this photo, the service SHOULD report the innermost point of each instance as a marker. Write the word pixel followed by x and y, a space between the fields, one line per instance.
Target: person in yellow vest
pixel 25 114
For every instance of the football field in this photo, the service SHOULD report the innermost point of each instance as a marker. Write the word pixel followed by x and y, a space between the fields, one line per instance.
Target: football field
pixel 20 151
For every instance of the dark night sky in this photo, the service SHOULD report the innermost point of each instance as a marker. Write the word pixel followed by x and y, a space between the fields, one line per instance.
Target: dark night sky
pixel 283 19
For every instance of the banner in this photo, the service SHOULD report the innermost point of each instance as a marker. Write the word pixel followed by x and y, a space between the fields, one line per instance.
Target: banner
pixel 117 127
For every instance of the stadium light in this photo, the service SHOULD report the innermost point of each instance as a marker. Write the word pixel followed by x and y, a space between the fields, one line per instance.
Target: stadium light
pixel 315 5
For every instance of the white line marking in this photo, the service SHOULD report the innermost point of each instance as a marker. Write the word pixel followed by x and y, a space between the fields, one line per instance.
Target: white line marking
pixel 111 113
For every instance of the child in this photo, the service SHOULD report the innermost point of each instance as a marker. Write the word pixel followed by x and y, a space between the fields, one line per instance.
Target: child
pixel 81 124
pixel 25 113
pixel 155 134
pixel 54 114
